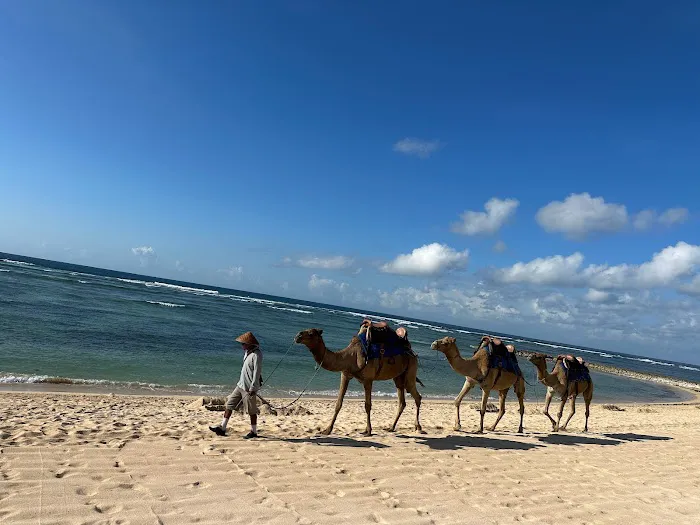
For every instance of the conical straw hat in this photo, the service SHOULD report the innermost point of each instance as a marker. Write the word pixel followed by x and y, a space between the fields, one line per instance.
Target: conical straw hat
pixel 247 338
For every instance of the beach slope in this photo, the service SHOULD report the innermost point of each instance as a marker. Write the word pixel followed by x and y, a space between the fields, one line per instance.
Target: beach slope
pixel 99 459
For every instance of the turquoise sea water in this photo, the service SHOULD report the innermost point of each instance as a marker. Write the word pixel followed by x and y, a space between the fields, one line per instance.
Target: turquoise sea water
pixel 121 331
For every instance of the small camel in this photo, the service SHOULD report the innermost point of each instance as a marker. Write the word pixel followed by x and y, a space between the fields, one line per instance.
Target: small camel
pixel 556 382
pixel 477 372
pixel 350 362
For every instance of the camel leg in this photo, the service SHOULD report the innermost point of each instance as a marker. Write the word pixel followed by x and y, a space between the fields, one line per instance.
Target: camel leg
pixel 561 410
pixel 501 408
pixel 368 407
pixel 587 396
pixel 400 390
pixel 344 382
pixel 484 400
pixel 469 383
pixel 547 401
pixel 573 411
pixel 413 390
pixel 520 392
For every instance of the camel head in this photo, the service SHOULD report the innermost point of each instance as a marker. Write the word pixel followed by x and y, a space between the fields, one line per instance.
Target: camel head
pixel 538 360
pixel 312 336
pixel 444 345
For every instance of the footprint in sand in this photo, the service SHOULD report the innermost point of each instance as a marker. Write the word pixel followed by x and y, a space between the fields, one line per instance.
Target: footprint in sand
pixel 107 509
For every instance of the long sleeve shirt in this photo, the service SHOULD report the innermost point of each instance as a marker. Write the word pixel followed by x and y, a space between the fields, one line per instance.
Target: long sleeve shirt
pixel 251 372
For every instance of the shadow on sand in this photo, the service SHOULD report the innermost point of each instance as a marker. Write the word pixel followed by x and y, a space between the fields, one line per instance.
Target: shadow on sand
pixel 451 442
pixel 604 439
pixel 333 441
pixel 637 437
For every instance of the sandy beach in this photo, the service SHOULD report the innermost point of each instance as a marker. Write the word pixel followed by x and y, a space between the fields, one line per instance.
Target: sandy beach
pixel 109 459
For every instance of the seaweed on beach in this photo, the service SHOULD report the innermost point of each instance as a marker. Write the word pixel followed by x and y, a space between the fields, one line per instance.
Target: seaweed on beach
pixel 614 408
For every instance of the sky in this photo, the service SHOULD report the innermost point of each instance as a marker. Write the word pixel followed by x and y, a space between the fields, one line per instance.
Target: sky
pixel 526 168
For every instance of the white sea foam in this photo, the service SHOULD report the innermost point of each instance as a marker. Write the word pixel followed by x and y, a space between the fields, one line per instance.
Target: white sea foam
pixel 289 309
pixel 1 270
pixel 131 281
pixel 82 282
pixel 170 305
pixel 20 263
pixel 689 368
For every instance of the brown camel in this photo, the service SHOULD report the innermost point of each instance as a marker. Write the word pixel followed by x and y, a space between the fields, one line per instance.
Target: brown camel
pixel 556 382
pixel 477 372
pixel 350 362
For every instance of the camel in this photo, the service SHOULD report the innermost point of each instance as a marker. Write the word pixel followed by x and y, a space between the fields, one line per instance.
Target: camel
pixel 477 372
pixel 350 362
pixel 556 382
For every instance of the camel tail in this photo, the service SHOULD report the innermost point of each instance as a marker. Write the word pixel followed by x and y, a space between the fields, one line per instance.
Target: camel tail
pixel 420 382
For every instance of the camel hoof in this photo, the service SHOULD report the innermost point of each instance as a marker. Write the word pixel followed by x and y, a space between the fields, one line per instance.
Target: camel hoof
pixel 520 430
pixel 491 429
pixel 390 429
pixel 479 431
pixel 457 428
pixel 366 433
pixel 562 429
pixel 326 432
pixel 420 430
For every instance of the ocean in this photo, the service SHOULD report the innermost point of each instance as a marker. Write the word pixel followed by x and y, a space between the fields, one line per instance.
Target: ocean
pixel 119 332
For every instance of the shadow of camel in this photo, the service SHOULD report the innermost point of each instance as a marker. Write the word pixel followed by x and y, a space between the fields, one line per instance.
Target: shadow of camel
pixel 577 439
pixel 451 442
pixel 637 437
pixel 333 441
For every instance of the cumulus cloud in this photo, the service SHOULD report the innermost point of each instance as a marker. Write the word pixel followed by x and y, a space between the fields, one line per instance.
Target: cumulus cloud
pixel 337 262
pixel 312 262
pixel 664 269
pixel 580 215
pixel 498 212
pixel 674 216
pixel 500 247
pixel 143 251
pixel 145 254
pixel 417 147
pixel 233 272
pixel 554 270
pixel 646 219
pixel 596 296
pixel 319 284
pixel 430 259
pixel 476 303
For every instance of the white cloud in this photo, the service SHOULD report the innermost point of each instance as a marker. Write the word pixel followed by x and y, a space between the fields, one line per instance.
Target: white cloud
pixel 143 251
pixel 319 284
pixel 145 254
pixel 179 266
pixel 554 270
pixel 475 303
pixel 645 219
pixel 580 215
pixel 417 147
pixel 500 247
pixel 693 287
pixel 663 270
pixel 337 262
pixel 674 216
pixel 233 272
pixel 596 296
pixel 498 212
pixel 430 259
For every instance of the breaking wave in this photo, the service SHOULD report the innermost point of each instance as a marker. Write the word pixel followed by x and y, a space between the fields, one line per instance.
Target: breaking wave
pixel 170 305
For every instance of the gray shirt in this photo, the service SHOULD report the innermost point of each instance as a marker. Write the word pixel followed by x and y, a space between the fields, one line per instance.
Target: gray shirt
pixel 251 372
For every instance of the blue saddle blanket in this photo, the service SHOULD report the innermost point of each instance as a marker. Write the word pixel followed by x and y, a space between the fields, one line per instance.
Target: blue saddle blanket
pixel 506 363
pixel 576 373
pixel 392 348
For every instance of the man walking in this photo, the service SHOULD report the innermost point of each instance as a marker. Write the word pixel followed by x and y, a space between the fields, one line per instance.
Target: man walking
pixel 248 384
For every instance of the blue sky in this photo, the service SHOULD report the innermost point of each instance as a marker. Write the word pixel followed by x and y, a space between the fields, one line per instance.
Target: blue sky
pixel 333 152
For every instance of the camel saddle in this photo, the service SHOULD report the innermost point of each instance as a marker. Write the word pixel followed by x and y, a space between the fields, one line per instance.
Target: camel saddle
pixel 501 355
pixel 380 340
pixel 575 367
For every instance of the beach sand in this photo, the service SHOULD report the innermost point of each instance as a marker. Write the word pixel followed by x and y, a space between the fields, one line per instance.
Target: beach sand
pixel 110 459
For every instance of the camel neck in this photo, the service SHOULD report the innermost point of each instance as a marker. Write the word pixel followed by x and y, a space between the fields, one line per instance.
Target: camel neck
pixel 326 358
pixel 465 367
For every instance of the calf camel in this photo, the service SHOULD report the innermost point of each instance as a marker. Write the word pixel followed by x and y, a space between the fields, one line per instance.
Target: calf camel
pixel 350 362
pixel 556 381
pixel 477 372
